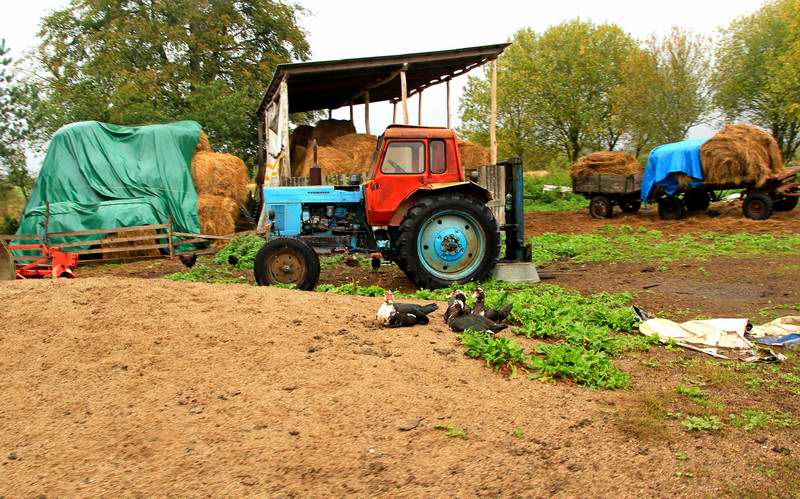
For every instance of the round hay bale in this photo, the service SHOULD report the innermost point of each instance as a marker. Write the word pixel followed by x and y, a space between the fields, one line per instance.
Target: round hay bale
pixel 217 214
pixel 606 163
pixel 740 154
pixel 330 159
pixel 301 135
pixel 327 131
pixel 473 155
pixel 298 160
pixel 202 143
pixel 8 271
pixel 220 174
pixel 360 147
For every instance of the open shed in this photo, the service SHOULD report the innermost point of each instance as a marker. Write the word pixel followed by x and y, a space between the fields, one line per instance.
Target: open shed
pixel 329 85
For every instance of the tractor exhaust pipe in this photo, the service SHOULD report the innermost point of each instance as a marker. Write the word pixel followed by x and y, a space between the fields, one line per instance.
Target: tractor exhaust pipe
pixel 8 272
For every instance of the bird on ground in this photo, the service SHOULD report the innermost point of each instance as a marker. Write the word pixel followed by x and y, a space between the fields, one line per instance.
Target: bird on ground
pixel 460 322
pixel 391 312
pixel 233 260
pixel 376 262
pixel 188 260
pixel 493 314
pixel 456 294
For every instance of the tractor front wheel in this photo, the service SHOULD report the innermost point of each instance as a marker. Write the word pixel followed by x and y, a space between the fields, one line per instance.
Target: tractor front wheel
pixel 287 260
pixel 447 239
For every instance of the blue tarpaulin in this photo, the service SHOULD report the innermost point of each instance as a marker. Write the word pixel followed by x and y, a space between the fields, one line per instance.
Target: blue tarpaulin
pixel 666 160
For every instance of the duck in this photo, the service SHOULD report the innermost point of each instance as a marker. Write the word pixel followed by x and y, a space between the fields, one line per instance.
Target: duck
pixel 456 294
pixel 389 308
pixel 493 314
pixel 460 322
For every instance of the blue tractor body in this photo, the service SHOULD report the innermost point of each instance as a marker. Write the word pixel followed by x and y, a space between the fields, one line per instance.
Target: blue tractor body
pixel 325 216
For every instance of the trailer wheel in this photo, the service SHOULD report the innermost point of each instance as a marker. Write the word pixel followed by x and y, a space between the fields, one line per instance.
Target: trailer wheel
pixel 447 239
pixel 758 206
pixel 787 203
pixel 670 208
pixel 630 205
pixel 600 207
pixel 287 260
pixel 696 200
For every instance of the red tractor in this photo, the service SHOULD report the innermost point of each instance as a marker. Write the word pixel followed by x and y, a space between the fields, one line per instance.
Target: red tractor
pixel 417 208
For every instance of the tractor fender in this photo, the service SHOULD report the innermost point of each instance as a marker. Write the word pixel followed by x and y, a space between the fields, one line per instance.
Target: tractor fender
pixel 469 188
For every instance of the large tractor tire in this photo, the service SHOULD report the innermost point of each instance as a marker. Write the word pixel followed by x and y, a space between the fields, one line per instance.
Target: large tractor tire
pixel 287 260
pixel 447 239
pixel 8 271
pixel 787 203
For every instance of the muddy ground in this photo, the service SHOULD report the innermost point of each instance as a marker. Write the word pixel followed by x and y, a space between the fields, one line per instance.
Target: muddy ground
pixel 112 384
pixel 119 386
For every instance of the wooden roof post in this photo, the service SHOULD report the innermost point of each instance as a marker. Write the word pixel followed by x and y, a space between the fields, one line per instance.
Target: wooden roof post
pixel 394 112
pixel 330 113
pixel 404 95
pixel 493 116
pixel 283 120
pixel 449 112
pixel 366 111
pixel 351 112
pixel 419 108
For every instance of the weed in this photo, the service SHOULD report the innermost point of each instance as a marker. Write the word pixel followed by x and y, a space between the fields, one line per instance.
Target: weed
pixel 791 378
pixel 538 200
pixel 243 249
pixel 754 419
pixel 453 431
pixel 684 362
pixel 681 456
pixel 651 363
pixel 351 289
pixel 204 273
pixel 692 392
pixel 497 352
pixel 683 474
pixel 585 367
pixel 701 423
pixel 517 432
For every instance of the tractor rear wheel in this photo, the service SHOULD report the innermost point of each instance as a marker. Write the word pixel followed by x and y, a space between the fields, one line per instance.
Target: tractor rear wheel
pixel 287 260
pixel 447 239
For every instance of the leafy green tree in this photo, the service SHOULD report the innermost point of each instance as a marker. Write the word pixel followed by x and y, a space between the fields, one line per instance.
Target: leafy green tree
pixel 755 77
pixel 664 90
pixel 555 89
pixel 16 101
pixel 145 61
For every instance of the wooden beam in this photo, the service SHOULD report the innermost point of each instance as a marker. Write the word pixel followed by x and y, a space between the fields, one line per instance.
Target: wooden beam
pixel 449 112
pixel 394 112
pixel 419 109
pixel 493 116
pixel 351 112
pixel 286 164
pixel 330 113
pixel 366 111
pixel 404 96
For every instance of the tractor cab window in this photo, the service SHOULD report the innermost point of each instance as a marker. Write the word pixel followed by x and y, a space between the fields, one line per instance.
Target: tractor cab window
pixel 437 155
pixel 404 158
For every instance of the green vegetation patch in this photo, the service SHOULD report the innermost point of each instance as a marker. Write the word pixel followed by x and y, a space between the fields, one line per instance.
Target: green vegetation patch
pixel 204 273
pixel 538 200
pixel 243 248
pixel 623 243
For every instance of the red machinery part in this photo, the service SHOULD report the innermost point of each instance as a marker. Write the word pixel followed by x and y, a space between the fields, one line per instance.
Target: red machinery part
pixel 54 262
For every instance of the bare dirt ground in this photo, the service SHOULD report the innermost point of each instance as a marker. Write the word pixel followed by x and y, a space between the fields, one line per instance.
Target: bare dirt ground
pixel 118 386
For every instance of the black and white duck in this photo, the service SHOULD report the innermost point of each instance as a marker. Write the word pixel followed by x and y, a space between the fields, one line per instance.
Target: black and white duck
pixel 494 314
pixel 460 321
pixel 393 314
pixel 456 294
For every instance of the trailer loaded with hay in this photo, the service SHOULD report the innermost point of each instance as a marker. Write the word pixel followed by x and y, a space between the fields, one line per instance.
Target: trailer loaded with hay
pixel 608 179
pixel 687 176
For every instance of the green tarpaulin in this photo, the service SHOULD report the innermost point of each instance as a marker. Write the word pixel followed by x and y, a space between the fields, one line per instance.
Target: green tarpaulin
pixel 102 176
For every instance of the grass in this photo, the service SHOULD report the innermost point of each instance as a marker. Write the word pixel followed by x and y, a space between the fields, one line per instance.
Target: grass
pixel 755 419
pixel 623 243
pixel 693 392
pixel 702 423
pixel 204 273
pixel 452 430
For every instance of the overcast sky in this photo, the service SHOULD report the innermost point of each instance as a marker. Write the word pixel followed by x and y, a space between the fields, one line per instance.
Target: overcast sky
pixel 356 28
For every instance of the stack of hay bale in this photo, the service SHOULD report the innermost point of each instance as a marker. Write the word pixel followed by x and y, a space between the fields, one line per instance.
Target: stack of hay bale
pixel 741 154
pixel 606 163
pixel 340 150
pixel 221 182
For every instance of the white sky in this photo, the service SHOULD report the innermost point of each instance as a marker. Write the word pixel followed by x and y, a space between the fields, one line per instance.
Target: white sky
pixel 357 28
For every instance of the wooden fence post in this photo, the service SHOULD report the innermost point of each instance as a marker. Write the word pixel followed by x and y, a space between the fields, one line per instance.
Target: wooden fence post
pixel 169 238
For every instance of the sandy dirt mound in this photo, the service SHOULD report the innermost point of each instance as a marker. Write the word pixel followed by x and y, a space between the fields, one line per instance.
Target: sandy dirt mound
pixel 118 387
pixel 606 163
pixel 741 154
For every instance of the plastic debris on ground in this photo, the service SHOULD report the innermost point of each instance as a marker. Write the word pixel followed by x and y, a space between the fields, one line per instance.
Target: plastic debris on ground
pixel 721 338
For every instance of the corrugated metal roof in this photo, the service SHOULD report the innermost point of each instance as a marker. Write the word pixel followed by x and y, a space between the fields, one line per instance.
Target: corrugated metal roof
pixel 332 84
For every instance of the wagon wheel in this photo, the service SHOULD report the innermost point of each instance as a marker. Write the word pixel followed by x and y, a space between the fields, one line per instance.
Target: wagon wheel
pixel 600 207
pixel 630 205
pixel 786 203
pixel 758 206
pixel 670 208
pixel 696 200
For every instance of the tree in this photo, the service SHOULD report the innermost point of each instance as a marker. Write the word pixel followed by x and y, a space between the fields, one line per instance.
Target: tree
pixel 555 88
pixel 146 61
pixel 17 99
pixel 755 76
pixel 664 91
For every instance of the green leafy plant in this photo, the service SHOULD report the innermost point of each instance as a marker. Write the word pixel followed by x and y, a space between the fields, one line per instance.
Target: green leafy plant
pixel 204 273
pixel 692 392
pixel 681 456
pixel 351 289
pixel 755 419
pixel 702 423
pixel 243 248
pixel 496 352
pixel 452 430
pixel 517 432
pixel 585 367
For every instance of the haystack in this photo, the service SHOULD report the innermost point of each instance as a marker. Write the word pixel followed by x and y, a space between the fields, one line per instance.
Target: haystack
pixel 217 214
pixel 327 131
pixel 741 154
pixel 202 143
pixel 132 253
pixel 606 163
pixel 219 174
pixel 472 154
